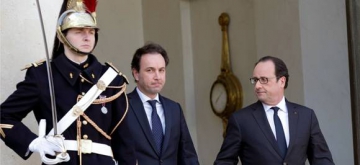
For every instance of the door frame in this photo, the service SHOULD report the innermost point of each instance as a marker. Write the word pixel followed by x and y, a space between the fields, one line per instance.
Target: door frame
pixel 353 26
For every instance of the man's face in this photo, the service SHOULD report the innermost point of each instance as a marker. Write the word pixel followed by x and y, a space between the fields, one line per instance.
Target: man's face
pixel 82 38
pixel 151 75
pixel 271 92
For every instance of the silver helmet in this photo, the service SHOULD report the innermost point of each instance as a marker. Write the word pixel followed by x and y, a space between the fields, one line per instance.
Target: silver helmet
pixel 77 15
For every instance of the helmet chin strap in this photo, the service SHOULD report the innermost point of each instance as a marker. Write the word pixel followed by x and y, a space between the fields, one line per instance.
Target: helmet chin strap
pixel 75 57
pixel 80 52
pixel 76 50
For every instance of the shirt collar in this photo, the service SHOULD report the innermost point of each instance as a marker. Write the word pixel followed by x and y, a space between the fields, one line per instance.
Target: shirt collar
pixel 145 98
pixel 281 105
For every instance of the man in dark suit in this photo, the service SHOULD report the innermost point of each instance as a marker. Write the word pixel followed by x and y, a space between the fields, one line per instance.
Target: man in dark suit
pixel 156 122
pixel 273 131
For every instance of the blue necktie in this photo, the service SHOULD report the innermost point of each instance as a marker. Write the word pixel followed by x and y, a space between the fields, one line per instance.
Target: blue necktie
pixel 280 136
pixel 156 126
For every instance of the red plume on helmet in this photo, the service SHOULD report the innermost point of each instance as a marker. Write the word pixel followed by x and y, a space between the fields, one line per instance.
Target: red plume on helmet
pixel 91 6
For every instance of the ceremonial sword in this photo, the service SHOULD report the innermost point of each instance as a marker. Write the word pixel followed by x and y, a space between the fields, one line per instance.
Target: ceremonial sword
pixel 63 156
pixel 49 71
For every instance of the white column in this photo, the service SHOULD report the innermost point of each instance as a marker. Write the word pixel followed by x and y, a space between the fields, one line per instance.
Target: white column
pixel 22 43
pixel 326 72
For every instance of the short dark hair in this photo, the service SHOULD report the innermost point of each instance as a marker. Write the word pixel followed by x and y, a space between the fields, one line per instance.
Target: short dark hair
pixel 280 67
pixel 148 48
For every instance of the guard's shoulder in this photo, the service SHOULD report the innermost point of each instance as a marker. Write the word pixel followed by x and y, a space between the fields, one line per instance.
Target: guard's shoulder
pixel 34 64
pixel 109 64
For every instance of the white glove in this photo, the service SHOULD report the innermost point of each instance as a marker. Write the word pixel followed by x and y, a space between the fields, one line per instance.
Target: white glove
pixel 51 145
pixel 47 145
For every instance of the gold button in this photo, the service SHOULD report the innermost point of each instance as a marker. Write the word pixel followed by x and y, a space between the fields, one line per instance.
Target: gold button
pixel 82 80
pixel 83 93
pixel 84 122
pixel 85 136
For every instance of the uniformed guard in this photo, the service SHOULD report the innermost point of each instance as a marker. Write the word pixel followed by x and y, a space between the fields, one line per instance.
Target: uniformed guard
pixel 91 102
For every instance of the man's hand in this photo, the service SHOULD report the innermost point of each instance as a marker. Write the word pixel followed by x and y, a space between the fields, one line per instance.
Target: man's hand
pixel 51 144
pixel 47 145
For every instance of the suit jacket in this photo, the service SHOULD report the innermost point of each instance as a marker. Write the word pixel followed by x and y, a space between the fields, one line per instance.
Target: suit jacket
pixel 32 94
pixel 177 147
pixel 250 137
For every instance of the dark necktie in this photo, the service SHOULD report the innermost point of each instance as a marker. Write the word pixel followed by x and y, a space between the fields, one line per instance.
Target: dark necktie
pixel 280 136
pixel 156 126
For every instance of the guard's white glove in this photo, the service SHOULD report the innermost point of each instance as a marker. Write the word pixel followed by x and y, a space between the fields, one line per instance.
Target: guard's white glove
pixel 47 145
pixel 51 145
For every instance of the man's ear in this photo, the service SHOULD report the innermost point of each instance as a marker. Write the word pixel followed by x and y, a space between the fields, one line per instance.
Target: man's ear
pixel 282 81
pixel 135 74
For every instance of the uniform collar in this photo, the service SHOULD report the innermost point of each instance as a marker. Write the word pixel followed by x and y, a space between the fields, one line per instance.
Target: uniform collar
pixel 91 69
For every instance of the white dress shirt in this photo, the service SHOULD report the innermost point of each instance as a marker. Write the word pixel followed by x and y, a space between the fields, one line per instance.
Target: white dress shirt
pixel 148 108
pixel 283 115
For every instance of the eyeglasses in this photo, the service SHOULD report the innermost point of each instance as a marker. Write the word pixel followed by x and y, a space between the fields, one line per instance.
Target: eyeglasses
pixel 262 80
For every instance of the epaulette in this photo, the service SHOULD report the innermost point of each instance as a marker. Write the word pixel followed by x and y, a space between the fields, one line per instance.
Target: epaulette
pixel 34 64
pixel 112 66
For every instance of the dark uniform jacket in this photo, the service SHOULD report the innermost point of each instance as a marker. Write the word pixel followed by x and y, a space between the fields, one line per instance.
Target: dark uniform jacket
pixel 32 94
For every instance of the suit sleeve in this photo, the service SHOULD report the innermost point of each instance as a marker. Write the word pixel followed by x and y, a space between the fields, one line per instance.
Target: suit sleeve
pixel 187 152
pixel 318 151
pixel 14 109
pixel 123 145
pixel 122 142
pixel 228 154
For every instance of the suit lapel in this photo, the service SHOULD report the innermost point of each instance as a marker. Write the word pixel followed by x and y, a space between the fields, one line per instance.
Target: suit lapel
pixel 293 123
pixel 139 111
pixel 261 119
pixel 168 119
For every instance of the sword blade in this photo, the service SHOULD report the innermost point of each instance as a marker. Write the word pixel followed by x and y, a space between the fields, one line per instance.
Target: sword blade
pixel 49 71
